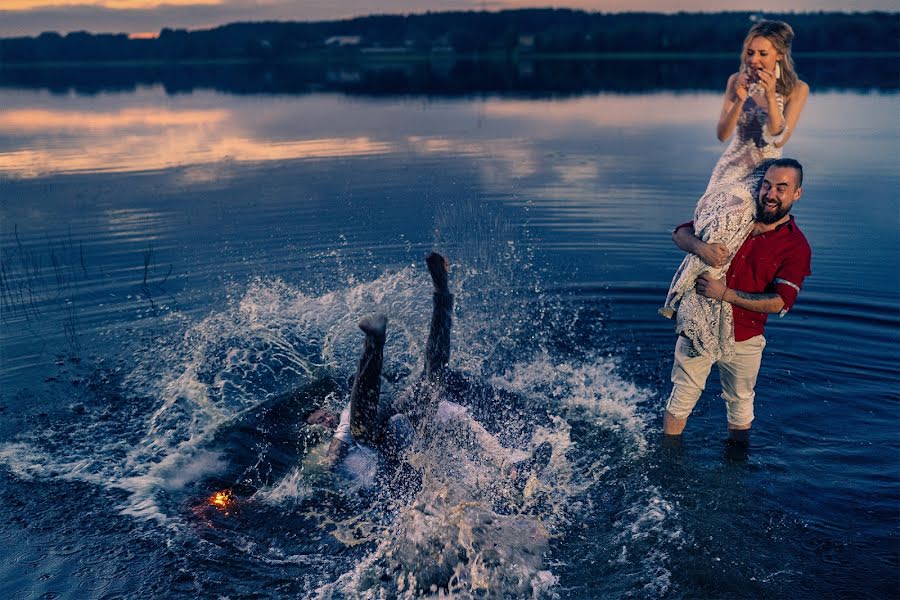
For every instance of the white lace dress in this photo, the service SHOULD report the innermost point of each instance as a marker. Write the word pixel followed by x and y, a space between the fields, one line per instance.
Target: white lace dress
pixel 724 214
pixel 752 143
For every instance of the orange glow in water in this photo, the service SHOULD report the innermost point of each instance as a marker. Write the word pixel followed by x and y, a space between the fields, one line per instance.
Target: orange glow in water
pixel 221 500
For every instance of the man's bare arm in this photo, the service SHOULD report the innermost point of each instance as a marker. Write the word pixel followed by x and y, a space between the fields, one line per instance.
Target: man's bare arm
pixel 765 302
pixel 715 255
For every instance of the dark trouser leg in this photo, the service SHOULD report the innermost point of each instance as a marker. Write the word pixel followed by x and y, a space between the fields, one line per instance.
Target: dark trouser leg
pixel 437 349
pixel 740 437
pixel 367 383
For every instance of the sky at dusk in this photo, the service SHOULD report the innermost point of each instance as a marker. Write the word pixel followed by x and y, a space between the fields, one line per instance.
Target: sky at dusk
pixel 30 17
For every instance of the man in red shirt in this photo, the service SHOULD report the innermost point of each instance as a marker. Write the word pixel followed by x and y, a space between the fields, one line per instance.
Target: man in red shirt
pixel 764 277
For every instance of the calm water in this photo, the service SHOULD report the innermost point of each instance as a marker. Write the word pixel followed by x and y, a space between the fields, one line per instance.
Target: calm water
pixel 173 264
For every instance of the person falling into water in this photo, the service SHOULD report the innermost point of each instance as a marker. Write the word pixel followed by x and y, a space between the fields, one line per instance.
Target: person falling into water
pixel 389 424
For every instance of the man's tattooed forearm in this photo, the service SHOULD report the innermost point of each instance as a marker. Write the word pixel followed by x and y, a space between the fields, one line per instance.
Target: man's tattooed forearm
pixel 755 297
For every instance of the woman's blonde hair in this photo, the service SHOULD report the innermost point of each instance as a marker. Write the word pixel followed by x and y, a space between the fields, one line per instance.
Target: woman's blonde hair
pixel 781 36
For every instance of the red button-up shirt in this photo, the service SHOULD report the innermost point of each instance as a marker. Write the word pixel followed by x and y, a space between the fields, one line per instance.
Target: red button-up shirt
pixel 774 261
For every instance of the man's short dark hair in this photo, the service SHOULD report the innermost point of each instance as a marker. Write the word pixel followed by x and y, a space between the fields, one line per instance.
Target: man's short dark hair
pixel 789 163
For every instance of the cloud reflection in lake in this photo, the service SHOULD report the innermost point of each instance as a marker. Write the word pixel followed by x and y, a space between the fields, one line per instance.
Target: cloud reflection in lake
pixel 56 135
pixel 553 145
pixel 58 141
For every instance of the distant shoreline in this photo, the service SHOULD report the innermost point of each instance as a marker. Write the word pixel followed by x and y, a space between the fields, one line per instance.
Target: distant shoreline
pixel 511 35
pixel 434 57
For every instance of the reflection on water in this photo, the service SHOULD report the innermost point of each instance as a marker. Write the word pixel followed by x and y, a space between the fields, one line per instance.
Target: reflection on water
pixel 608 171
pixel 43 135
pixel 172 263
pixel 447 77
pixel 42 122
pixel 55 139
pixel 163 151
pixel 59 139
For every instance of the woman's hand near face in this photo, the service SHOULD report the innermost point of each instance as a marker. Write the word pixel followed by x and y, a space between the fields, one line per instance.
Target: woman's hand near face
pixel 767 82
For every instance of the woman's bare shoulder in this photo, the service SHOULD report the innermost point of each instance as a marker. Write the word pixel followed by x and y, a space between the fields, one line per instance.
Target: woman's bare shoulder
pixel 801 90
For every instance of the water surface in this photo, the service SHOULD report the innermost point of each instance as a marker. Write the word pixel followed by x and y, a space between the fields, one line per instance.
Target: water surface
pixel 173 263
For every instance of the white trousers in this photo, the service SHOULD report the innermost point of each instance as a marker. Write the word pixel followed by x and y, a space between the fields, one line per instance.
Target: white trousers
pixel 738 376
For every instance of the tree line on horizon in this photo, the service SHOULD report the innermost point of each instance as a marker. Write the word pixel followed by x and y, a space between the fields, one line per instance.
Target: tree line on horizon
pixel 510 33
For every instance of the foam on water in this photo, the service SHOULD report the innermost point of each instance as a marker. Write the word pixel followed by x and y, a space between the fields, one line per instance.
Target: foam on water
pixel 592 390
pixel 473 525
pixel 471 530
pixel 275 338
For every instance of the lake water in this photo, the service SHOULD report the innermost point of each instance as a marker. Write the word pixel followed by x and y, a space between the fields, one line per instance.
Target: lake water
pixel 185 258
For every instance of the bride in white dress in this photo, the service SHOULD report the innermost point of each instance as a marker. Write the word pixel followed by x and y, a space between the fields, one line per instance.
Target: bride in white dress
pixel 761 107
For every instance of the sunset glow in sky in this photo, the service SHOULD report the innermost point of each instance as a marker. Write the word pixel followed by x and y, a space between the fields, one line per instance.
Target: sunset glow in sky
pixel 31 17
pixel 111 4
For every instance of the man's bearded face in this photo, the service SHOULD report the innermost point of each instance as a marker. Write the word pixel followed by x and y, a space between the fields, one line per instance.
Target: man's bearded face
pixel 776 195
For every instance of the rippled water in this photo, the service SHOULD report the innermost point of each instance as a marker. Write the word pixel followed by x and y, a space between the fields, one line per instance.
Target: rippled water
pixel 182 275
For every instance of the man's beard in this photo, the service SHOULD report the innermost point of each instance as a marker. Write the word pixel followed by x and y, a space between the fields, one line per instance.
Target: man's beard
pixel 768 218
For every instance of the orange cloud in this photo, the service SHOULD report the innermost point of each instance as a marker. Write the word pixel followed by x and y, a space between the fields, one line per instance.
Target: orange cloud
pixel 111 4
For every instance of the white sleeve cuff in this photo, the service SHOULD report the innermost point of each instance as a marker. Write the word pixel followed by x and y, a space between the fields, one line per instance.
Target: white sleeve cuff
pixel 343 429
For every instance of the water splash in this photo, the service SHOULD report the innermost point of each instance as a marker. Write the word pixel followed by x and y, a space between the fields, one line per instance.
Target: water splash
pixel 466 520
